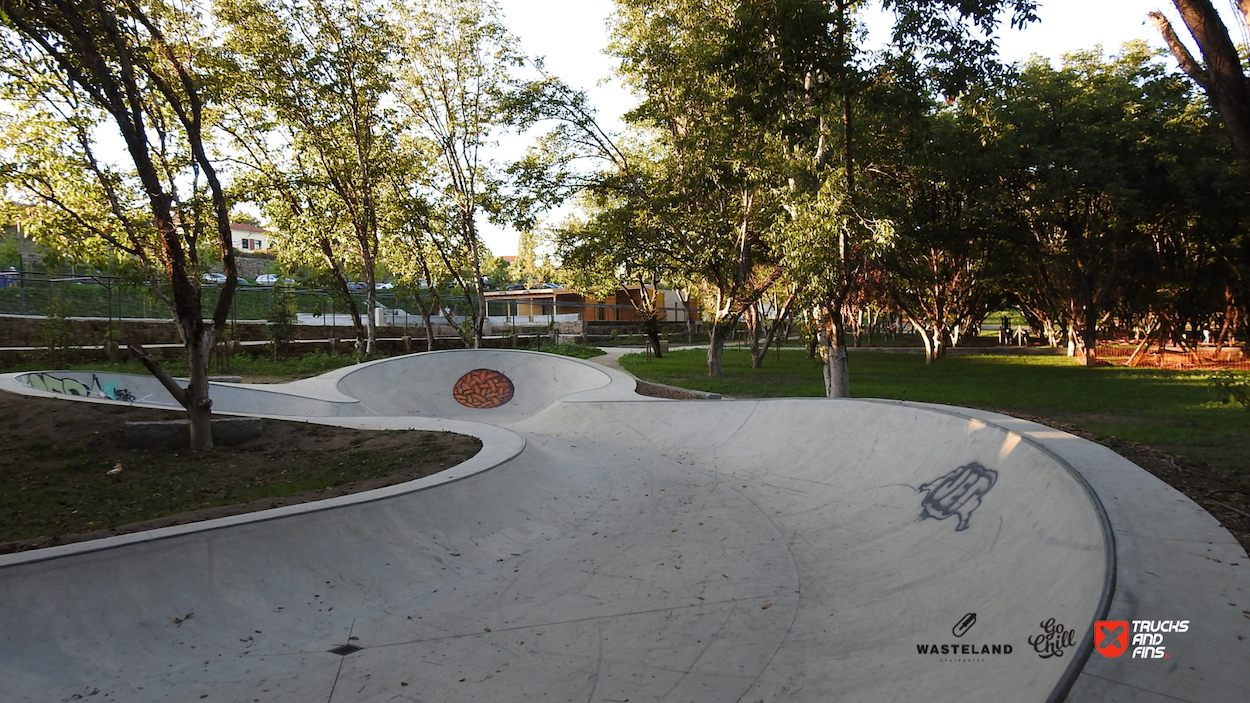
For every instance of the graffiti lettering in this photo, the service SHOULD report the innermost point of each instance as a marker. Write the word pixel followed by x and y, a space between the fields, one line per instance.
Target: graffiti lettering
pixel 106 389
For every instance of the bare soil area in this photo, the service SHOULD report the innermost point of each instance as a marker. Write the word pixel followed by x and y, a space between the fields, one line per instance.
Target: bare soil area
pixel 66 476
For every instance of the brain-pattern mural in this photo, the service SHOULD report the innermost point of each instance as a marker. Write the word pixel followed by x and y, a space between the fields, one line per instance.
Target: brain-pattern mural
pixel 483 389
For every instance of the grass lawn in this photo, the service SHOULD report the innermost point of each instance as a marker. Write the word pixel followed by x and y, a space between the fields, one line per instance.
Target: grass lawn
pixel 1173 411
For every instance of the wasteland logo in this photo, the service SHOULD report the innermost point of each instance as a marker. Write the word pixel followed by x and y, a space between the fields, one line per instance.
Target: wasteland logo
pixel 958 493
pixel 965 650
pixel 965 623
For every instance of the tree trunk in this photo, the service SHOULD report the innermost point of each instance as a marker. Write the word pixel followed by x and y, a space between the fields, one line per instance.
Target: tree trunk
pixel 196 401
pixel 686 303
pixel 327 250
pixel 836 368
pixel 753 335
pixel 427 321
pixel 1223 78
pixel 1052 333
pixel 780 324
pixel 1087 340
pixel 371 325
pixel 651 328
pixel 929 352
pixel 478 312
pixel 194 397
pixel 934 339
pixel 716 350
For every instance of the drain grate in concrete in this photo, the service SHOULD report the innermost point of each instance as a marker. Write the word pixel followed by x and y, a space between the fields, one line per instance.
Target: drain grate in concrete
pixel 344 649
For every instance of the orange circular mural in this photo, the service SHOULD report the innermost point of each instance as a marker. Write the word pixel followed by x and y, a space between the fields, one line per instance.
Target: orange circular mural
pixel 483 389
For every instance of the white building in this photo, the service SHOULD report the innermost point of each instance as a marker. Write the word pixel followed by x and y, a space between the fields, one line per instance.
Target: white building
pixel 249 238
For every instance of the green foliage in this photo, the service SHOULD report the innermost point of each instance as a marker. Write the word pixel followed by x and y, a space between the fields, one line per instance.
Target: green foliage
pixel 10 251
pixel 281 320
pixel 459 63
pixel 320 140
pixel 1127 193
pixel 579 351
pixel 1231 387
pixel 56 331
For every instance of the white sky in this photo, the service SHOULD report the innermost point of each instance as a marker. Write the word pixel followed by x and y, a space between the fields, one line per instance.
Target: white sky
pixel 572 34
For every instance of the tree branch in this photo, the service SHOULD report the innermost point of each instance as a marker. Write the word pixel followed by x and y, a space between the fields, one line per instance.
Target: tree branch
pixel 1180 51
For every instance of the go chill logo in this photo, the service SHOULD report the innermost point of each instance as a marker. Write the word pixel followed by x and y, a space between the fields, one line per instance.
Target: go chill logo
pixel 1113 638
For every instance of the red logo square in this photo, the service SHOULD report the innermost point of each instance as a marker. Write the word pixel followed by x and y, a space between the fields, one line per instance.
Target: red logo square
pixel 1111 637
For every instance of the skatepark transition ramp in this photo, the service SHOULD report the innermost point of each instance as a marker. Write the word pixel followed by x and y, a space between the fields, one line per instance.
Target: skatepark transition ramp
pixel 604 546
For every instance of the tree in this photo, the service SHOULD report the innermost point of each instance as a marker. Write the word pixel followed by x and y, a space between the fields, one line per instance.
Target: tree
pixel 711 200
pixel 748 109
pixel 619 245
pixel 458 58
pixel 1092 142
pixel 611 251
pixel 1223 77
pixel 149 67
pixel 796 67
pixel 323 139
pixel 952 239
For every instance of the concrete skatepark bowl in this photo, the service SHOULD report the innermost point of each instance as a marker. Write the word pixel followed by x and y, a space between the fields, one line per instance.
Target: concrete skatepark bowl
pixel 605 546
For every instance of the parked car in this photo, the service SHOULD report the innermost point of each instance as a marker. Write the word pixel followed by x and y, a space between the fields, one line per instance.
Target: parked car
pixel 210 277
pixel 361 285
pixel 269 279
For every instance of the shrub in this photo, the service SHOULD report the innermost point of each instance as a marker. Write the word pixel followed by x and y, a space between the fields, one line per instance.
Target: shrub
pixel 1231 387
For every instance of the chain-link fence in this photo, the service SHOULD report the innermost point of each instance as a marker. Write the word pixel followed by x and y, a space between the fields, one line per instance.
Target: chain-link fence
pixel 111 297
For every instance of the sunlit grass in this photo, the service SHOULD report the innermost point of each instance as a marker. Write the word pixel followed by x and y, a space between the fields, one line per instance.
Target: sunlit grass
pixel 1175 411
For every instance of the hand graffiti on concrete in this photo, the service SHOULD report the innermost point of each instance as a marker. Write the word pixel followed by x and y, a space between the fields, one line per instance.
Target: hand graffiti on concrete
pixel 957 493
pixel 69 386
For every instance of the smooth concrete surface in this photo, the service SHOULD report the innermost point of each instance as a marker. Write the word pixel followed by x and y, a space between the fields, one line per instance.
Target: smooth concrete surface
pixel 609 547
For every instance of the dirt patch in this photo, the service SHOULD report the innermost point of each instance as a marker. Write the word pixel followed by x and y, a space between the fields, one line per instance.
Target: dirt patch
pixel 66 476
pixel 655 391
pixel 1226 498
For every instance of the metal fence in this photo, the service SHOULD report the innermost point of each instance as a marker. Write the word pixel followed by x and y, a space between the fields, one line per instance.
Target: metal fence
pixel 1198 358
pixel 94 295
